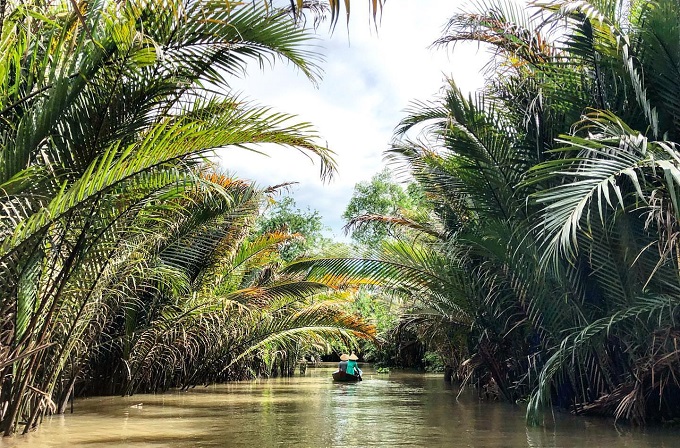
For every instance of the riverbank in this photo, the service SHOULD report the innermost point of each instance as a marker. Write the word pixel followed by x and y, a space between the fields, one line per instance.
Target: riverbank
pixel 396 409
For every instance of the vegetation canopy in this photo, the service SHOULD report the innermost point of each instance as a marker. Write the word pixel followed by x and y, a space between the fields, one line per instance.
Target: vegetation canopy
pixel 534 253
pixel 547 268
pixel 127 263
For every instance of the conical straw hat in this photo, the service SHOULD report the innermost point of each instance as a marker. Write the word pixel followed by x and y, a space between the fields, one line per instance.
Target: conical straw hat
pixel 353 357
pixel 344 357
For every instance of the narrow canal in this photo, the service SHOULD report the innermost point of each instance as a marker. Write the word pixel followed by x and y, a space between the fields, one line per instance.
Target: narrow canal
pixel 399 409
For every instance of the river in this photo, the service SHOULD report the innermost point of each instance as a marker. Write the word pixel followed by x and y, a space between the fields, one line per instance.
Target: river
pixel 398 409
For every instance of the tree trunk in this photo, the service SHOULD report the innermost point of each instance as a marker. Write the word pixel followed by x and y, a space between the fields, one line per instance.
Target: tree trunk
pixel 66 394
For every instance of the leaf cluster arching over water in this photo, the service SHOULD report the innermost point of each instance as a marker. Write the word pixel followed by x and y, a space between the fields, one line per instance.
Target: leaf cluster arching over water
pixel 550 252
pixel 126 262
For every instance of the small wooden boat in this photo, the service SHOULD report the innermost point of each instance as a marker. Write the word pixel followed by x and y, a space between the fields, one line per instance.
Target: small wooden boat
pixel 341 376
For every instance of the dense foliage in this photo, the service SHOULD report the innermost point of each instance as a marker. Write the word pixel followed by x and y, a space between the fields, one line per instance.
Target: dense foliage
pixel 126 263
pixel 307 225
pixel 537 250
pixel 381 196
pixel 550 259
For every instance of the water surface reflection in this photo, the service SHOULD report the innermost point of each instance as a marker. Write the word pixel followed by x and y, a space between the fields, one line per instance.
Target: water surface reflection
pixel 399 409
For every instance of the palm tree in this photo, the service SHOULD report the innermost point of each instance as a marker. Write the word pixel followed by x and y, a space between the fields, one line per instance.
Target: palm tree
pixel 107 111
pixel 607 205
pixel 211 296
pixel 298 7
pixel 589 212
pixel 552 189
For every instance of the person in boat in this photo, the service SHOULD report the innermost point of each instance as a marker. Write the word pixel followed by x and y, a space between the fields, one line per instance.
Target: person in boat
pixel 342 366
pixel 352 367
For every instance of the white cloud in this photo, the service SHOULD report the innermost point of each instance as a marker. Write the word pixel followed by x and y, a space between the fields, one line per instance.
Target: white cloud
pixel 368 81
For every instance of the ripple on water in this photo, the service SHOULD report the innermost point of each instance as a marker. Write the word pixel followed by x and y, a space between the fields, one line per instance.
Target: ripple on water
pixel 399 409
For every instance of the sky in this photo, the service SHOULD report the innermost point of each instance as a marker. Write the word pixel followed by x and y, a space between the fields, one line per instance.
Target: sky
pixel 369 80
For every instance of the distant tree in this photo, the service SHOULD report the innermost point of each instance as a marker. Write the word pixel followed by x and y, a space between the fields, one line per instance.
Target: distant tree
pixel 285 215
pixel 381 196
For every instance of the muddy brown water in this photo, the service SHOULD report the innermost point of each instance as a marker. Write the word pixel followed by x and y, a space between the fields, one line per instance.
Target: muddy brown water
pixel 399 409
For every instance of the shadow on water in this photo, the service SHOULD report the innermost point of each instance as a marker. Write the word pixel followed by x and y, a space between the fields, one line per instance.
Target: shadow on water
pixel 399 409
